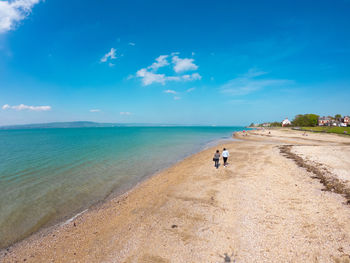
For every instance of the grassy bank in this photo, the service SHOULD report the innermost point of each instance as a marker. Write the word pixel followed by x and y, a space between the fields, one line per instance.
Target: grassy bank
pixel 339 130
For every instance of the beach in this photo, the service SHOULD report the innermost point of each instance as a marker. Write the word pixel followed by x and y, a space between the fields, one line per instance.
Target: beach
pixel 49 175
pixel 282 198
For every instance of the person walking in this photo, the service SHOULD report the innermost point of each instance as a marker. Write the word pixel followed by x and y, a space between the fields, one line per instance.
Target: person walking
pixel 225 155
pixel 216 159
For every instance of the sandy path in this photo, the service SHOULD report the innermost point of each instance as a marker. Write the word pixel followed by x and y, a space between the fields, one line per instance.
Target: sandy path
pixel 261 208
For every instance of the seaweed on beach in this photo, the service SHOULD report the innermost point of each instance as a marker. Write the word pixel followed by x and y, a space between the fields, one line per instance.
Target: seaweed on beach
pixel 330 183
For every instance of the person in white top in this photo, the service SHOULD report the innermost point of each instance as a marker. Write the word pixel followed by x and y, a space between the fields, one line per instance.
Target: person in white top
pixel 225 155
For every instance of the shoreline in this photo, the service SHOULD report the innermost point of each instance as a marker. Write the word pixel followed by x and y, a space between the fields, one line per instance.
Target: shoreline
pixel 120 193
pixel 113 199
pixel 114 195
pixel 192 212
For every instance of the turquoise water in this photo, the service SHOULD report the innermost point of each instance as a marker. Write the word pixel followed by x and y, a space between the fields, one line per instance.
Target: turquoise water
pixel 47 175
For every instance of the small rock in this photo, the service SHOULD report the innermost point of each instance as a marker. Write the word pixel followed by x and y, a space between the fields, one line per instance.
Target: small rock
pixel 174 226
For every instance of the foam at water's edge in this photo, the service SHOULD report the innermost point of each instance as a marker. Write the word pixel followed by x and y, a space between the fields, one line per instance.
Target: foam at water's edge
pixel 74 217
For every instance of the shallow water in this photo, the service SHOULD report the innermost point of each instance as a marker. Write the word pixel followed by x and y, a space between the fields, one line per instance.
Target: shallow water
pixel 49 174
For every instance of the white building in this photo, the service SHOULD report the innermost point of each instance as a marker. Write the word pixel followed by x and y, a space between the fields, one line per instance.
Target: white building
pixel 286 122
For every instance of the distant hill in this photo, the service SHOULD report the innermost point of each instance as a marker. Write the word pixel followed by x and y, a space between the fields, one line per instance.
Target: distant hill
pixel 74 124
pixel 79 124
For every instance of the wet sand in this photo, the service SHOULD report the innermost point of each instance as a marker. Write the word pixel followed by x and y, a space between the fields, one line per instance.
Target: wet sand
pixel 264 207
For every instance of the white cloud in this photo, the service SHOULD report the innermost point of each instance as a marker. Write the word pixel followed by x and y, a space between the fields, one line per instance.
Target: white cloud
pixel 193 76
pixel 183 64
pixel 190 90
pixel 149 74
pixel 131 44
pixel 95 110
pixel 111 65
pixel 12 12
pixel 6 106
pixel 169 91
pixel 110 55
pixel 125 113
pixel 249 83
pixel 177 98
pixel 161 61
pixel 149 77
pixel 26 107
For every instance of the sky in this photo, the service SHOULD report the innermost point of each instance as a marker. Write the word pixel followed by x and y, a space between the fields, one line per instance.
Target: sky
pixel 173 62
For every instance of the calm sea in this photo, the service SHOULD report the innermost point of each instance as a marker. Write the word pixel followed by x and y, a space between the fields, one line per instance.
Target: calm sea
pixel 47 175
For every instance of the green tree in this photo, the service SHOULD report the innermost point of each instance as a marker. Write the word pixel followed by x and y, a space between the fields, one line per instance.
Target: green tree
pixel 275 124
pixel 337 117
pixel 306 120
pixel 312 119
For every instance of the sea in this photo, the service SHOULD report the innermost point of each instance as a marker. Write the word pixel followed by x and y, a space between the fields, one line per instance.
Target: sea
pixel 49 175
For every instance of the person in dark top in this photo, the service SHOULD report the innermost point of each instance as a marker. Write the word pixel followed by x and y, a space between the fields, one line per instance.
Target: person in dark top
pixel 216 159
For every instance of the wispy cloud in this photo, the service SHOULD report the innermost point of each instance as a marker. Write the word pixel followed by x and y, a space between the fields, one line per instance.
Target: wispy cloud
pixel 132 44
pixel 272 49
pixel 95 110
pixel 190 90
pixel 170 91
pixel 253 72
pixel 149 78
pixel 12 12
pixel 26 107
pixel 110 55
pixel 125 113
pixel 173 92
pixel 239 102
pixel 250 82
pixel 190 77
pixel 149 74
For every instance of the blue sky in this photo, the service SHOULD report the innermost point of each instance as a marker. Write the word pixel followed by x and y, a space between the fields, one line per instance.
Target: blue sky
pixel 181 62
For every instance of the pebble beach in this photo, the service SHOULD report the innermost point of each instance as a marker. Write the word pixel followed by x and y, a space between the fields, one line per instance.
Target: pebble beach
pixel 266 206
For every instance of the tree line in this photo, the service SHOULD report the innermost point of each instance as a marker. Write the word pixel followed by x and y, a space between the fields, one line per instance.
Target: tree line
pixel 303 120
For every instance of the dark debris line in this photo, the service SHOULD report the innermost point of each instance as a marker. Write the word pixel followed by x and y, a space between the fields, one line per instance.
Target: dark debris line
pixel 330 184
